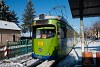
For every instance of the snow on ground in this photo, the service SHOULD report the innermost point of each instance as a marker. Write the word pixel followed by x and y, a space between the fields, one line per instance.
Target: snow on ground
pixel 11 65
pixel 75 56
pixel 46 63
pixel 15 62
pixel 20 58
pixel 93 47
pixel 28 63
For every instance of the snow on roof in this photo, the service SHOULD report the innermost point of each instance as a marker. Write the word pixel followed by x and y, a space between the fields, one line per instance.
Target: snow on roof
pixel 49 17
pixel 53 17
pixel 44 16
pixel 8 25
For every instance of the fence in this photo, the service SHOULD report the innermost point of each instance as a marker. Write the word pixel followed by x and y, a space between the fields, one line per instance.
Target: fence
pixel 13 49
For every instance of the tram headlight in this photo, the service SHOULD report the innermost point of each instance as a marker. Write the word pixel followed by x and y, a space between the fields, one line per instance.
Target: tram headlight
pixel 48 54
pixel 33 52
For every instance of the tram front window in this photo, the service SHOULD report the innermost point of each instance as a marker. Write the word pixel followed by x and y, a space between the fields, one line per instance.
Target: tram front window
pixel 44 32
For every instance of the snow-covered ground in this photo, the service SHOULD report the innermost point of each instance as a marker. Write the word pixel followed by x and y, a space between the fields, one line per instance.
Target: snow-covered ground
pixel 11 65
pixel 46 63
pixel 74 57
pixel 24 61
pixel 15 62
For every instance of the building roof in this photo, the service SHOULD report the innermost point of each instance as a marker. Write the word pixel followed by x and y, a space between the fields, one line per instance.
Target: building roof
pixel 90 8
pixel 8 25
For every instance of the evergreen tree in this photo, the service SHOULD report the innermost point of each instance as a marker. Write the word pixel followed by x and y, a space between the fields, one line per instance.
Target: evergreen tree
pixel 12 17
pixel 6 14
pixel 3 9
pixel 28 17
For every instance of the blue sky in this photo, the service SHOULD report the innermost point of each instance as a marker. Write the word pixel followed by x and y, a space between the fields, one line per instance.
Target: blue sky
pixel 44 6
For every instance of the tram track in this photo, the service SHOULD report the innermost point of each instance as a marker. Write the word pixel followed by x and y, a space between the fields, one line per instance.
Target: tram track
pixel 28 61
pixel 36 63
pixel 40 63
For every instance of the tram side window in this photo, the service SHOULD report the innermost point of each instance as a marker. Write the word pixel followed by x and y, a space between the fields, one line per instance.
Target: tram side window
pixel 64 32
pixel 61 30
pixel 61 33
pixel 68 33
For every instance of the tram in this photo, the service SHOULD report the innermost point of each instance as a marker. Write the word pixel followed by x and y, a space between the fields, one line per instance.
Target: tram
pixel 52 37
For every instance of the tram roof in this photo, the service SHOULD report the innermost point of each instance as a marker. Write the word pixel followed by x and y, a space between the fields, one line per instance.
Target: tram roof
pixel 52 17
pixel 90 8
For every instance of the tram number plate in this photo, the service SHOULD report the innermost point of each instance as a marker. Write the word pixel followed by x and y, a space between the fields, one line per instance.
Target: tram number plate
pixel 39 56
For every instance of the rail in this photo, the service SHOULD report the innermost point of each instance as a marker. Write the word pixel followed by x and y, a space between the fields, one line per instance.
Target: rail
pixel 37 63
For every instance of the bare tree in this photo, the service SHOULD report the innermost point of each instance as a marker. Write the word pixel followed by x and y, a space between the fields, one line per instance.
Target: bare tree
pixel 96 28
pixel 93 31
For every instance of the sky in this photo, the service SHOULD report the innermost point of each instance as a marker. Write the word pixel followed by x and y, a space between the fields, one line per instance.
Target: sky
pixel 44 6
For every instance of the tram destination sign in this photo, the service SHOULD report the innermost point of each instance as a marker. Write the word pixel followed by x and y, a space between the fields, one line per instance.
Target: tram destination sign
pixel 41 22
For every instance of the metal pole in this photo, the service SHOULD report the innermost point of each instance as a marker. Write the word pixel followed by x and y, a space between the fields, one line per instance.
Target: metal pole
pixel 81 24
pixel 81 4
pixel 82 35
